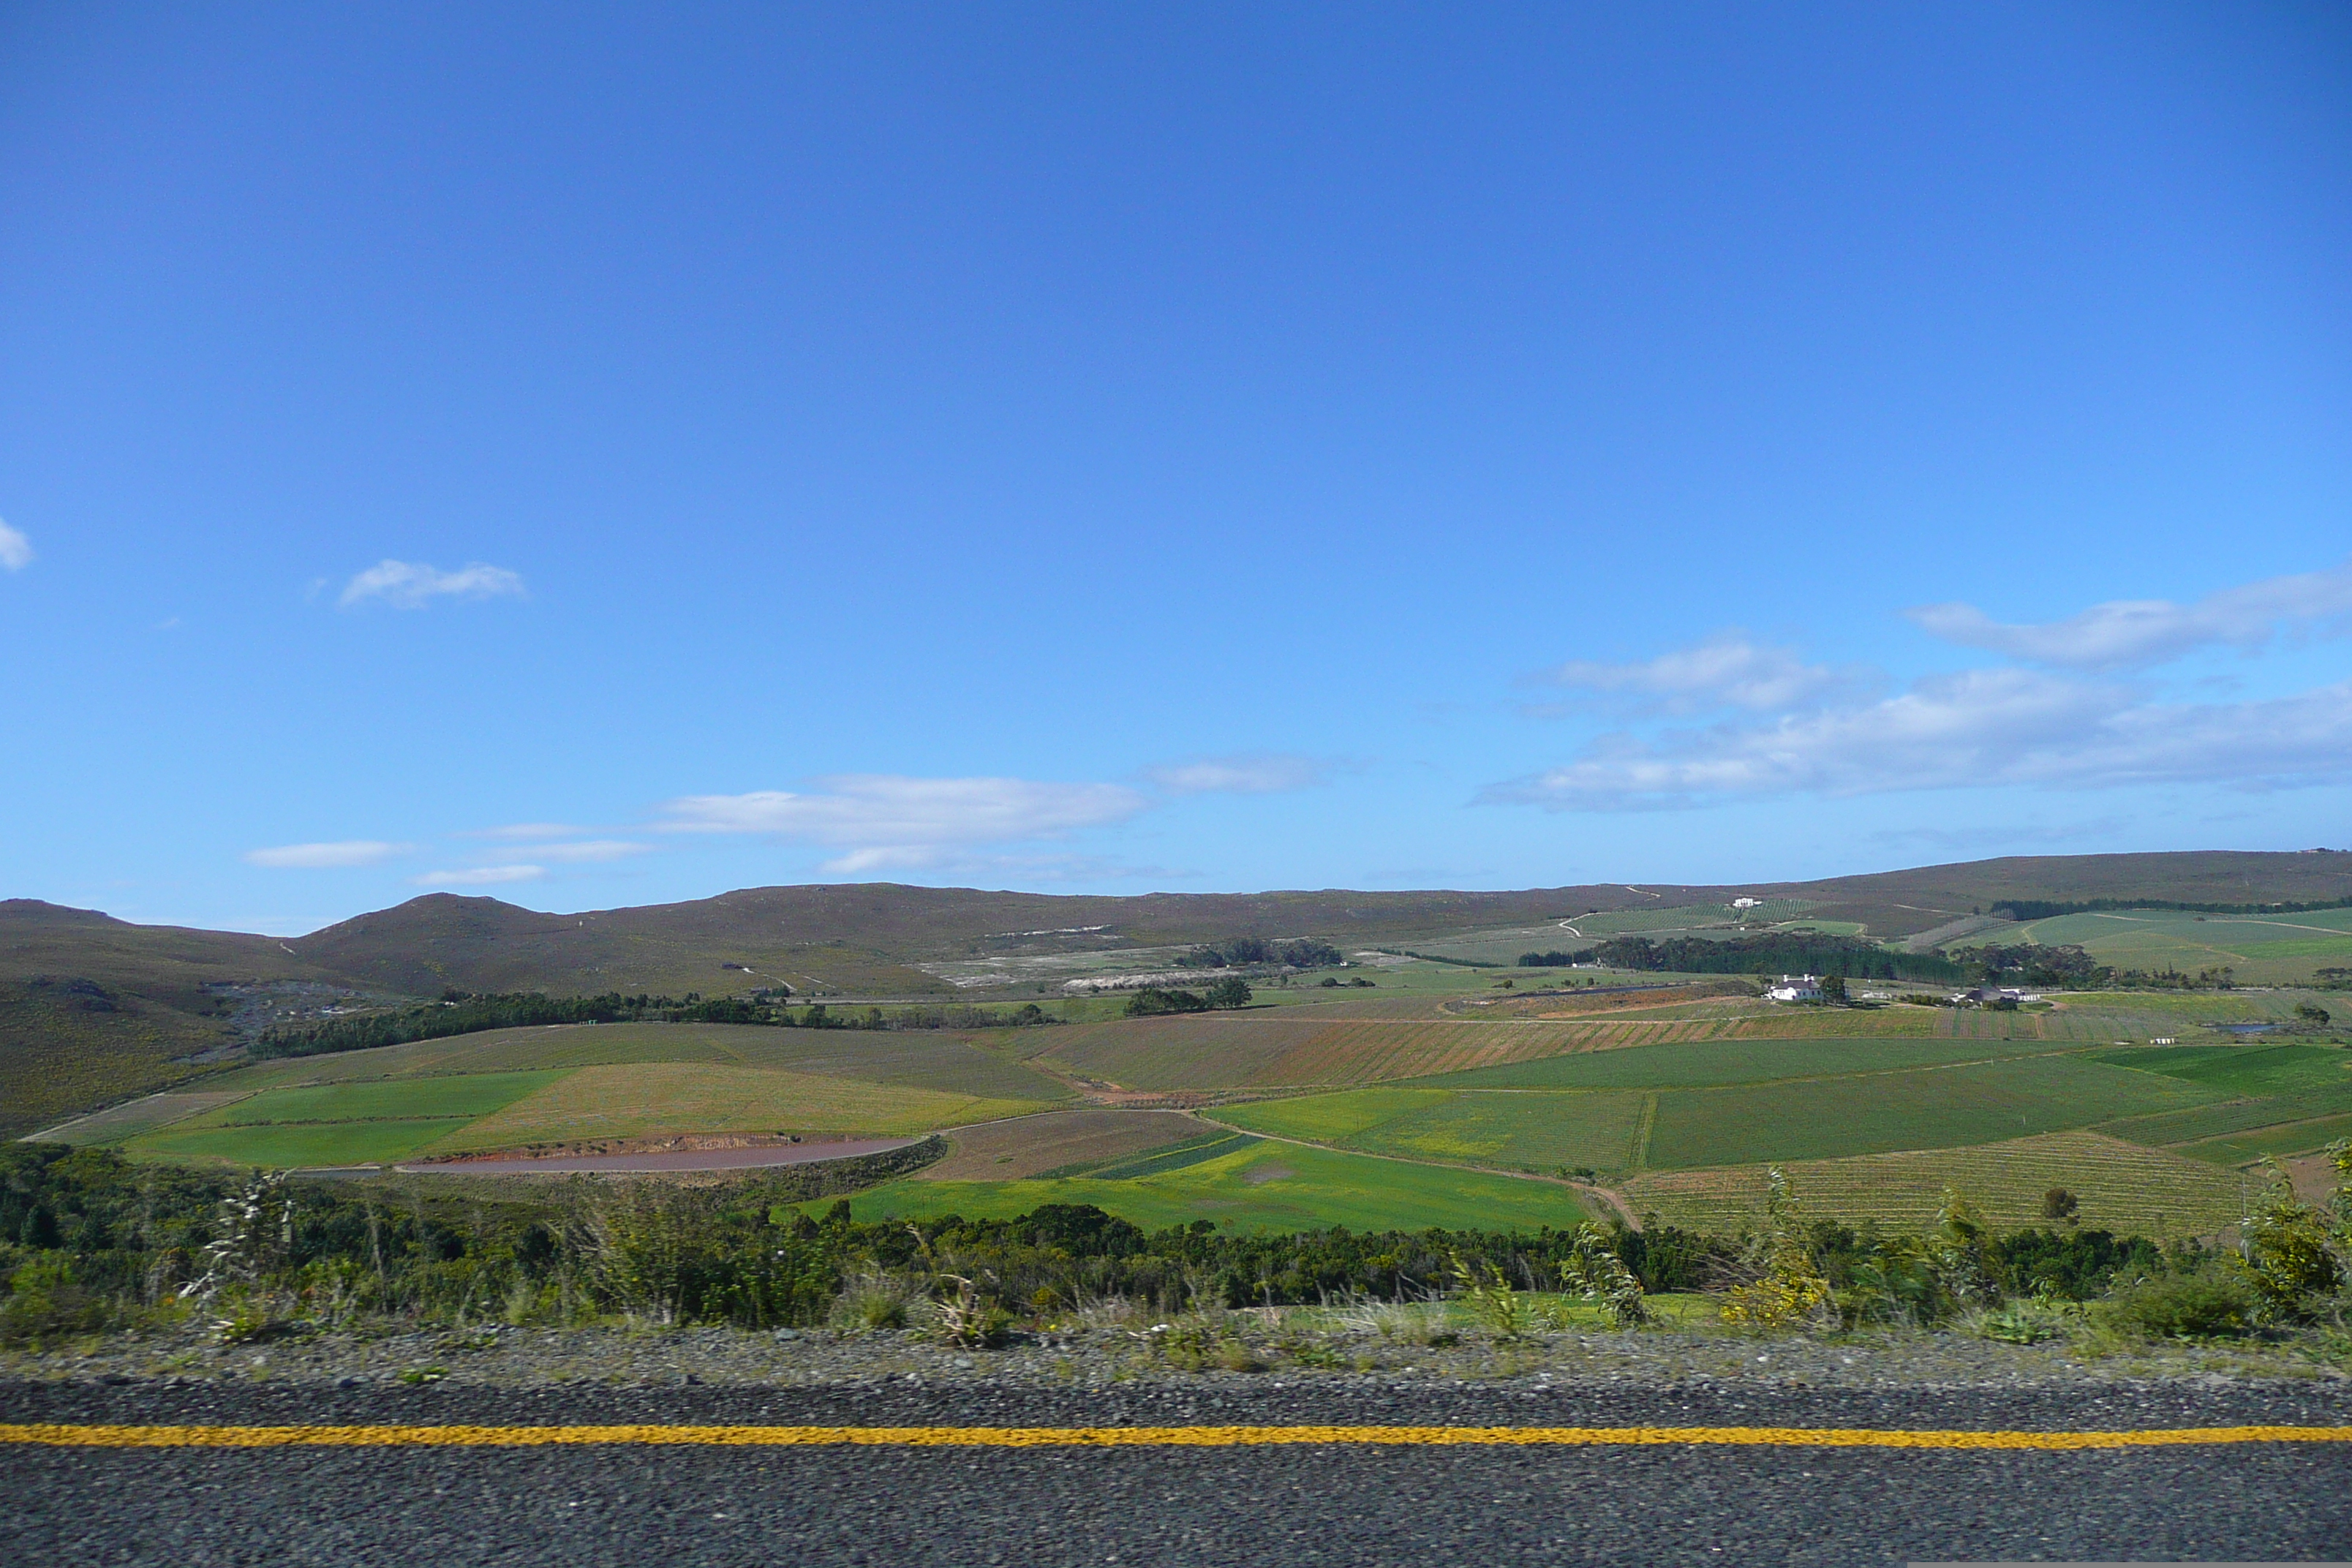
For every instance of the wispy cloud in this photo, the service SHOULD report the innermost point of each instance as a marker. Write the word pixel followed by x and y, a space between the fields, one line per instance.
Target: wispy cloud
pixel 2134 633
pixel 409 585
pixel 1728 669
pixel 479 876
pixel 1023 867
pixel 525 830
pixel 16 549
pixel 327 857
pixel 885 820
pixel 589 850
pixel 1251 772
pixel 1978 728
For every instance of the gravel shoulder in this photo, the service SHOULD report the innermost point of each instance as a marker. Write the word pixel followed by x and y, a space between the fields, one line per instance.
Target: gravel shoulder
pixel 1305 1350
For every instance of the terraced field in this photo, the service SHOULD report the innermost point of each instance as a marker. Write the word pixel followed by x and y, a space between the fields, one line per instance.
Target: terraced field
pixel 2121 1187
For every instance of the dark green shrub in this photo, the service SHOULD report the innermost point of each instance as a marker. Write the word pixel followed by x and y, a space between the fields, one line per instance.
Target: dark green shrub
pixel 2184 1306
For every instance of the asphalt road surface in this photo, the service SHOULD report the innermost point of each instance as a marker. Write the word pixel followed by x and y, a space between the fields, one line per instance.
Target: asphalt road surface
pixel 628 1503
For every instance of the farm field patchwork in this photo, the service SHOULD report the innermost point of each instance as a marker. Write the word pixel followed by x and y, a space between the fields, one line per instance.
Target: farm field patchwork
pixel 1032 1145
pixel 370 1121
pixel 296 1144
pixel 933 1059
pixel 118 1122
pixel 2278 1140
pixel 1267 1186
pixel 1699 1063
pixel 2249 1070
pixel 650 1099
pixel 338 1124
pixel 2121 1187
pixel 2177 1128
pixel 1538 1132
pixel 1926 1109
pixel 2267 948
pixel 1276 1047
pixel 474 1094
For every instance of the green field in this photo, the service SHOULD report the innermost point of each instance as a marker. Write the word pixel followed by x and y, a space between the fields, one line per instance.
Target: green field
pixel 2280 1139
pixel 937 1060
pixel 1699 1063
pixel 2249 1069
pixel 515 1088
pixel 476 1094
pixel 1529 1132
pixel 1262 1186
pixel 338 1124
pixel 1880 1103
pixel 296 1144
pixel 2266 949
pixel 1930 1109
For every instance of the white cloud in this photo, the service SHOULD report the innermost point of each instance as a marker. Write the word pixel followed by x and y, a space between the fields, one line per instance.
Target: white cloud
pixel 2132 634
pixel 479 876
pixel 594 850
pixel 1023 867
pixel 1254 773
pixel 327 857
pixel 16 549
pixel 885 820
pixel 407 585
pixel 1979 728
pixel 1727 671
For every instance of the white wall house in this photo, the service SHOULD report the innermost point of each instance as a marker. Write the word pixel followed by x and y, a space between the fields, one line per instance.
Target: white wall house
pixel 1796 988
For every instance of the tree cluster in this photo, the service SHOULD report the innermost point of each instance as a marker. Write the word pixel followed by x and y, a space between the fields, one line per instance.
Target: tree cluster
pixel 1791 953
pixel 1153 1001
pixel 1254 952
pixel 460 1014
pixel 2032 964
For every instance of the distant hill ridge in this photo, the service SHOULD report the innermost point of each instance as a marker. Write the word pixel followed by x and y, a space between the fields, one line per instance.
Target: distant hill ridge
pixel 88 1001
pixel 868 935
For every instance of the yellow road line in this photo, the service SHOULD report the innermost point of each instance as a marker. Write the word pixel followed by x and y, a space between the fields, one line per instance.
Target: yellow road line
pixel 98 1437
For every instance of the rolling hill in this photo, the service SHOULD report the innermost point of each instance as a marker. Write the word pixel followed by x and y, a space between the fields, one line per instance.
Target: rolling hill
pixel 94 1008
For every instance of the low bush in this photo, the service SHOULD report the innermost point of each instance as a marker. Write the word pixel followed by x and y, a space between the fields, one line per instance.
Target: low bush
pixel 2201 1306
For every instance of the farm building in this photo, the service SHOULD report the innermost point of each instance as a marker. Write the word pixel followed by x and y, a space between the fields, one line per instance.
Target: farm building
pixel 1796 988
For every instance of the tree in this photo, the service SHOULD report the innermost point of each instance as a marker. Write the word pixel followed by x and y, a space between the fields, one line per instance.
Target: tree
pixel 2060 1203
pixel 2317 1016
pixel 1833 988
pixel 1230 992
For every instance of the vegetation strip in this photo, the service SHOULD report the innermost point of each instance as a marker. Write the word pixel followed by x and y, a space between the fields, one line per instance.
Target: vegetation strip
pixel 95 1437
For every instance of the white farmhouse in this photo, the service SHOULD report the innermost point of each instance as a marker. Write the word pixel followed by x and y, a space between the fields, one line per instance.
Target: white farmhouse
pixel 1796 988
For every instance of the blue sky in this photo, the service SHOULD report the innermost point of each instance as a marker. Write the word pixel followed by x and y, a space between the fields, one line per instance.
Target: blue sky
pixel 600 456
